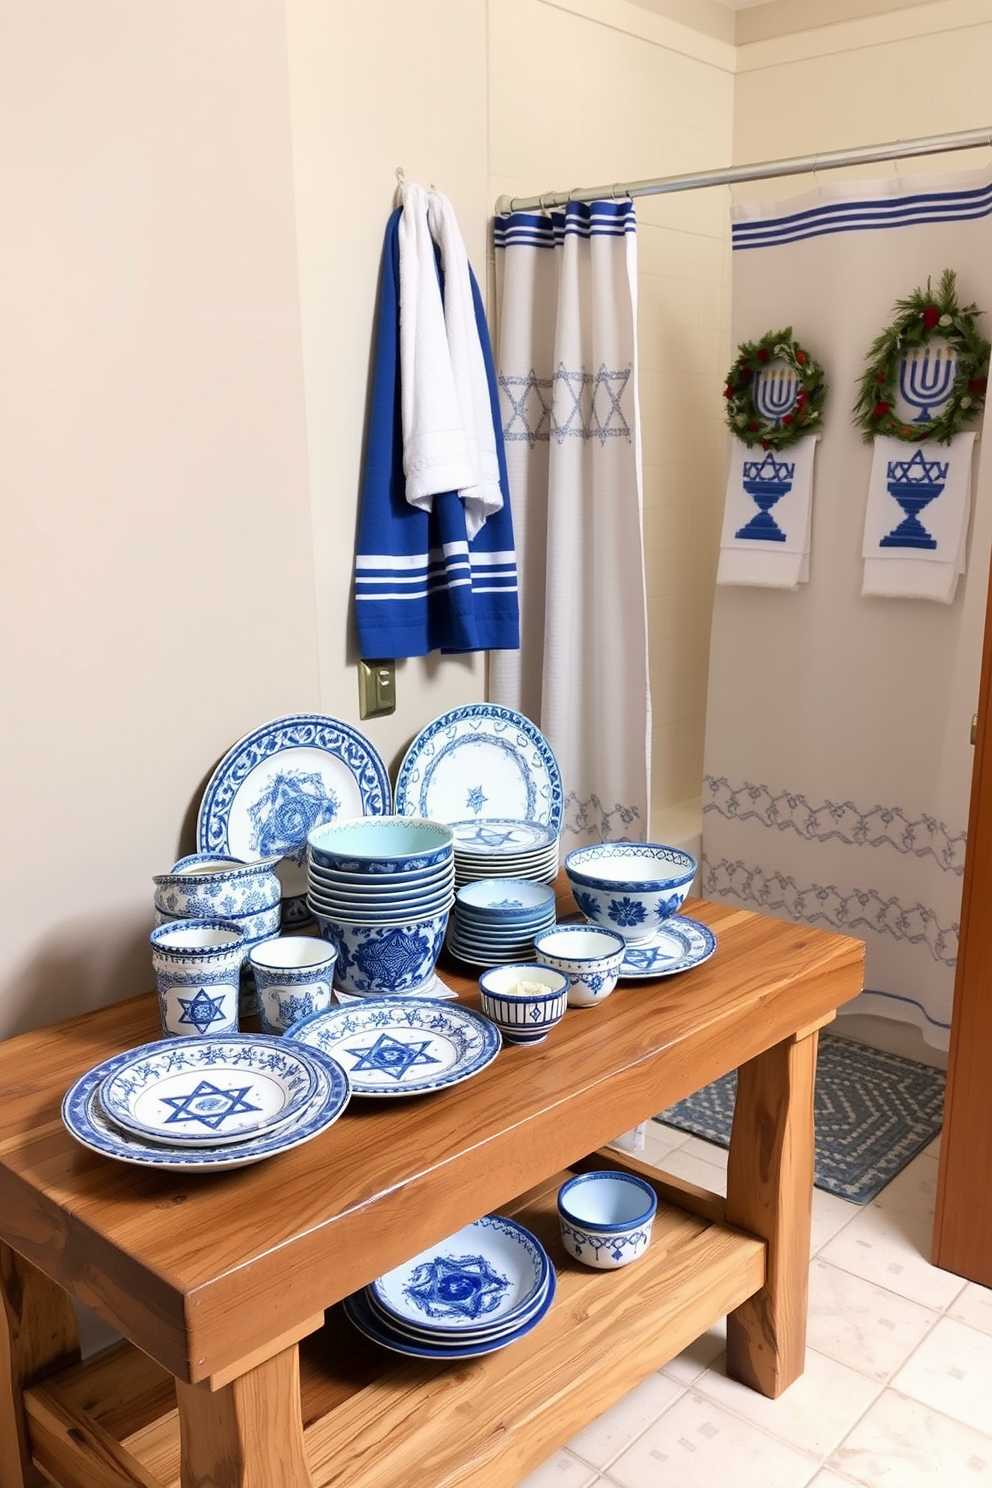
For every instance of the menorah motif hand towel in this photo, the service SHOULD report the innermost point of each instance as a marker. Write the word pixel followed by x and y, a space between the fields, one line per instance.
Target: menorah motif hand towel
pixel 916 521
pixel 767 518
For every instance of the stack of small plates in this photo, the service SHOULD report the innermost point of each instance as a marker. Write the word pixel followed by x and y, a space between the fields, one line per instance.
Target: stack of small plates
pixel 481 1289
pixel 495 920
pixel 504 847
pixel 214 1102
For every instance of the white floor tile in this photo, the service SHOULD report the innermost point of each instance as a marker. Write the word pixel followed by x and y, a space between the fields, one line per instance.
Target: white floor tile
pixel 901 1444
pixel 683 1164
pixel 561 1471
pixel 696 1444
pixel 914 1190
pixel 890 1248
pixel 686 1367
pixel 863 1325
pixel 660 1139
pixel 814 1414
pixel 600 1442
pixel 830 1214
pixel 827 1479
pixel 710 1152
pixel 952 1371
pixel 974 1307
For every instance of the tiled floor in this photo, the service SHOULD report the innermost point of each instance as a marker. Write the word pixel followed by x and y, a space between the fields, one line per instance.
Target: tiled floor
pixel 897 1391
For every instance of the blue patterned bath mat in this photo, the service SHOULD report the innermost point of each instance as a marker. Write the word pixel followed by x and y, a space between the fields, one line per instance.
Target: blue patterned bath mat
pixel 874 1112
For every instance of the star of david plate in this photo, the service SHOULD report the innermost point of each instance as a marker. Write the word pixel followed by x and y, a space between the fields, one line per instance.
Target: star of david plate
pixel 283 779
pixel 360 1315
pixel 86 1119
pixel 208 1091
pixel 481 761
pixel 398 1046
pixel 446 1340
pixel 496 836
pixel 659 958
pixel 484 1275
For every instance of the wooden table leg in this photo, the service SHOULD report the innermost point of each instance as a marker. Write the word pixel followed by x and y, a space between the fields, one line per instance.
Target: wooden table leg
pixel 249 1434
pixel 770 1193
pixel 38 1335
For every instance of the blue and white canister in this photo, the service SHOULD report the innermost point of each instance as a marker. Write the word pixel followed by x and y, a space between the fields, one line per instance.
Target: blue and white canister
pixel 197 967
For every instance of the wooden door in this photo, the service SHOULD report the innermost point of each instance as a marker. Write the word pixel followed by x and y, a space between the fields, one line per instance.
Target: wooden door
pixel 962 1238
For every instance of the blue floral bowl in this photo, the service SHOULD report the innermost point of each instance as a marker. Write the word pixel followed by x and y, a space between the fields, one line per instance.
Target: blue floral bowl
pixel 630 887
pixel 589 956
pixel 384 960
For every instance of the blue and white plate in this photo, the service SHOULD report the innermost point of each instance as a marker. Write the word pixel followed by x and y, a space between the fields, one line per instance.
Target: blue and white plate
pixel 503 837
pixel 481 1277
pixel 86 1119
pixel 208 1091
pixel 398 1046
pixel 656 958
pixel 444 1340
pixel 481 761
pixel 504 900
pixel 360 1314
pixel 283 779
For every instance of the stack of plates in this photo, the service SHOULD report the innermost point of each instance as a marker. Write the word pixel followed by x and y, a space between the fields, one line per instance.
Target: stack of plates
pixel 482 1288
pixel 495 920
pixel 214 1102
pixel 504 847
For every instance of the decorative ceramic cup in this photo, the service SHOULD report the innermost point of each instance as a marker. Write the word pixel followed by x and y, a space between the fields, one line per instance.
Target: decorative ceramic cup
pixel 524 999
pixel 197 965
pixel 293 978
pixel 589 956
pixel 606 1217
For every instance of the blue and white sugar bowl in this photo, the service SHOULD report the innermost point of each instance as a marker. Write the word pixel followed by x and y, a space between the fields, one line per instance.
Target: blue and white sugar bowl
pixel 605 1218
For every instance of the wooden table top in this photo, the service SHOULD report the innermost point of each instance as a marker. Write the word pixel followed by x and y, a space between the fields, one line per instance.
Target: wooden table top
pixel 171 1259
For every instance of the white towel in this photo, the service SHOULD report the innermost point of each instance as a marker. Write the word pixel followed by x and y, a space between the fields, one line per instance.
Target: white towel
pixel 768 549
pixel 898 564
pixel 483 495
pixel 435 449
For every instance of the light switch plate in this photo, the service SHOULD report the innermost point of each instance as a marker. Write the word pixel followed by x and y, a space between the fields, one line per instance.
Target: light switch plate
pixel 376 688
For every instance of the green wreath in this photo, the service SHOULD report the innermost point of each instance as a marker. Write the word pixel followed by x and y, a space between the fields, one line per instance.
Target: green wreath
pixel 925 316
pixel 743 416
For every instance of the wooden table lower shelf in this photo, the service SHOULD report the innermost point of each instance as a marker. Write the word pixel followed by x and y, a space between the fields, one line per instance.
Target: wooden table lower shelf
pixel 375 1420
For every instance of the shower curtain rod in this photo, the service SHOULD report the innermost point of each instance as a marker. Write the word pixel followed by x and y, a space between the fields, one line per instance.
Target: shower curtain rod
pixel 933 144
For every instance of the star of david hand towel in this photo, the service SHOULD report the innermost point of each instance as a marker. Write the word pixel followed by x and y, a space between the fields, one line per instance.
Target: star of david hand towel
pixel 449 440
pixel 916 521
pixel 422 582
pixel 767 517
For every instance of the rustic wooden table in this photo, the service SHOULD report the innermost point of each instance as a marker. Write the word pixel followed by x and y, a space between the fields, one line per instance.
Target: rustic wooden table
pixel 238 1368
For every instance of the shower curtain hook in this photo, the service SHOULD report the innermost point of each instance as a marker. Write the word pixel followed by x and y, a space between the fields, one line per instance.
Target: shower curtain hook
pixel 400 184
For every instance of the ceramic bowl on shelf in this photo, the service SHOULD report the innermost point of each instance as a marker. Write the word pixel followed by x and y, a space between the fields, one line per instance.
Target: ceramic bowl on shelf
pixel 384 960
pixel 630 887
pixel 253 926
pixel 524 999
pixel 380 845
pixel 589 956
pixel 204 886
pixel 605 1218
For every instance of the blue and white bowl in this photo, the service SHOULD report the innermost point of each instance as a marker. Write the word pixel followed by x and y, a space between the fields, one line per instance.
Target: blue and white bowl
pixel 381 845
pixel 630 887
pixel 504 901
pixel 588 955
pixel 605 1218
pixel 204 886
pixel 253 926
pixel 384 960
pixel 524 999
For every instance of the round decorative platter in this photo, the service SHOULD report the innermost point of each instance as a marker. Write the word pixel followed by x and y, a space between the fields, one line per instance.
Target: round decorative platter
pixel 482 760
pixel 283 779
pixel 398 1046
pixel 208 1091
pixel 484 1277
pixel 86 1119
pixel 359 1312
pixel 658 957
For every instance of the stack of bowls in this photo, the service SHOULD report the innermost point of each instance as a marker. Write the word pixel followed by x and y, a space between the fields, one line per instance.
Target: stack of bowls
pixel 380 889
pixel 503 847
pixel 494 920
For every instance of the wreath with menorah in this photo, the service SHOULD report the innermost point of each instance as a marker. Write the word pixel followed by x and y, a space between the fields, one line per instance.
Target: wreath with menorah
pixel 775 392
pixel 932 358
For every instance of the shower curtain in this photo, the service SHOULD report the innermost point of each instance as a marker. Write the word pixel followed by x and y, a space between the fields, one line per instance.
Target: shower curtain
pixel 567 371
pixel 837 756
